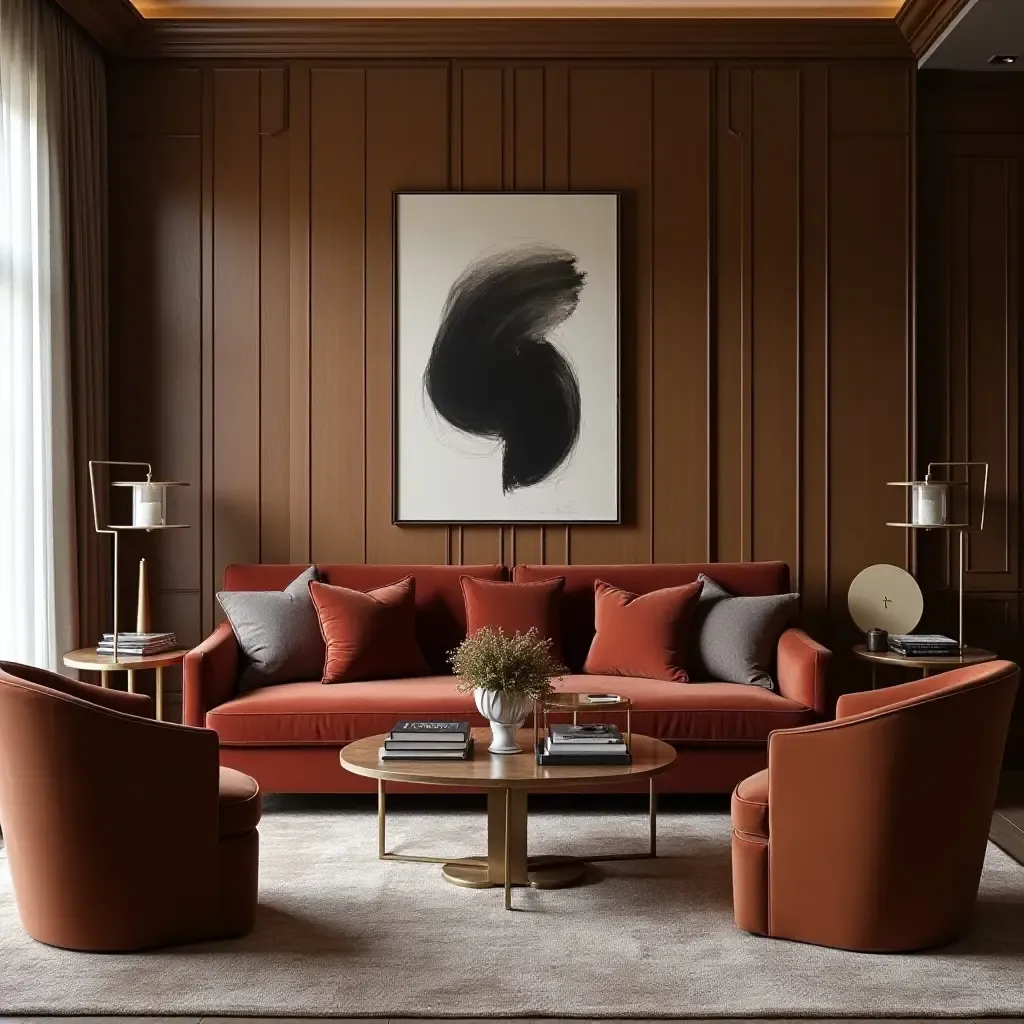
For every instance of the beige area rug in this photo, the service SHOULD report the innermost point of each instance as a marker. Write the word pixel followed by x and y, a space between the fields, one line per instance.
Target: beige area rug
pixel 340 933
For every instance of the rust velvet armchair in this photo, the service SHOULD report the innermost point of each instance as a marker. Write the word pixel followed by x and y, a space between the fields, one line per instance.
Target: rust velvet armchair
pixel 122 833
pixel 869 833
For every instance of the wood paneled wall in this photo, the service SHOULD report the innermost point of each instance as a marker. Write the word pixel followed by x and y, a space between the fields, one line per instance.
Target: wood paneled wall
pixel 972 165
pixel 766 252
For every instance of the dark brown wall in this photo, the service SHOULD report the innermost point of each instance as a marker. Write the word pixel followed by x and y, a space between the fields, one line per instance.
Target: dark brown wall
pixel 766 251
pixel 969 368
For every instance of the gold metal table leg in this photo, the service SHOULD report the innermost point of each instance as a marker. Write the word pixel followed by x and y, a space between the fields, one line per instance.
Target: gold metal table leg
pixel 653 815
pixel 380 818
pixel 159 694
pixel 131 680
pixel 508 840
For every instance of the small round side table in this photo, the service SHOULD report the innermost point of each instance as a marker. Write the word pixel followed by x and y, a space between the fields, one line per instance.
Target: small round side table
pixel 88 660
pixel 927 665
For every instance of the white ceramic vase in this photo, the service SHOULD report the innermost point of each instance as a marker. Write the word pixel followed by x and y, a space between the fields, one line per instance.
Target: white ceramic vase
pixel 506 713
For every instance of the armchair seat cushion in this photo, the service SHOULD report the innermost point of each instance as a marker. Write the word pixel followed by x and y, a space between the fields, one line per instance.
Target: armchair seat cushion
pixel 309 714
pixel 239 803
pixel 750 805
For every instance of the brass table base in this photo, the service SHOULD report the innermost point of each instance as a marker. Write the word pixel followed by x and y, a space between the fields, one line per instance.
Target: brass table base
pixel 506 863
pixel 540 873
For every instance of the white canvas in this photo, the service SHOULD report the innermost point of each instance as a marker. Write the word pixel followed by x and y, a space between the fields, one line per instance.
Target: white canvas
pixel 444 474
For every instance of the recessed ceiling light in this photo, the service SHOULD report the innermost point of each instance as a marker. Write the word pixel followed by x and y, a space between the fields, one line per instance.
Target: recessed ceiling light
pixel 1003 58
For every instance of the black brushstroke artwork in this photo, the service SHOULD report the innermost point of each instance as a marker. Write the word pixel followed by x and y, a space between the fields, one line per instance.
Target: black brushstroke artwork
pixel 492 371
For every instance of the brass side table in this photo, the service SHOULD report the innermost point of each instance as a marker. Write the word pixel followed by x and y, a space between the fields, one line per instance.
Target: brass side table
pixel 926 665
pixel 576 704
pixel 87 659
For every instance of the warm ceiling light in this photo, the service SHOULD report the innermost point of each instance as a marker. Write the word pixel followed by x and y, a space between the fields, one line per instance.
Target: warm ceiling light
pixel 1003 58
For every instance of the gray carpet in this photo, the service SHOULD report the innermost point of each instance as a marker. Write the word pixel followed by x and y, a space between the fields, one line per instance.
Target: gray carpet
pixel 341 933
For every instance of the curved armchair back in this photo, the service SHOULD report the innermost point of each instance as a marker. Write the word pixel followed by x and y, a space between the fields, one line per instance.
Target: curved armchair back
pixel 110 819
pixel 878 821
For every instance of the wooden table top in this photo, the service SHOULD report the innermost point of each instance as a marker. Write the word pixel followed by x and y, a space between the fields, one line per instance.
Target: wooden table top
pixel 968 656
pixel 89 660
pixel 500 771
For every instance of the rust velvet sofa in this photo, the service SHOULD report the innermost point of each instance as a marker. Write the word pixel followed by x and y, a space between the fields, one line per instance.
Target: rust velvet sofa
pixel 122 833
pixel 287 736
pixel 868 833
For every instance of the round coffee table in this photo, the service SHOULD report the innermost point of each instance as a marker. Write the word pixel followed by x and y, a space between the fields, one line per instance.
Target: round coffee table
pixel 508 778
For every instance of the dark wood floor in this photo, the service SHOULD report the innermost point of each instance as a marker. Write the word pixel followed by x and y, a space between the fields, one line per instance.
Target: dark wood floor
pixel 1008 821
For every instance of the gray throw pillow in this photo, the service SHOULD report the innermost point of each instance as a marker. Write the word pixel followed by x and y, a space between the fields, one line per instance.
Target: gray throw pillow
pixel 278 632
pixel 736 637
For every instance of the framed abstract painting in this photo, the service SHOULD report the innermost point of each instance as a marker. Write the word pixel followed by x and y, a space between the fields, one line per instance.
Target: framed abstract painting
pixel 506 358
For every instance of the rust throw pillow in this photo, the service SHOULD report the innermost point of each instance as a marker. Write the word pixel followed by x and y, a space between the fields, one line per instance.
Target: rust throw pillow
pixel 369 635
pixel 642 635
pixel 516 607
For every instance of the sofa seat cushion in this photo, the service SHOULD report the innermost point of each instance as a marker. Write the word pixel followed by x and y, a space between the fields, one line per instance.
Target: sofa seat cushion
pixel 750 805
pixel 239 803
pixel 309 714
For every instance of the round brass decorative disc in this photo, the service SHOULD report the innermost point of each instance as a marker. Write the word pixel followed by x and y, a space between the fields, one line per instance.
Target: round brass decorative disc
pixel 541 873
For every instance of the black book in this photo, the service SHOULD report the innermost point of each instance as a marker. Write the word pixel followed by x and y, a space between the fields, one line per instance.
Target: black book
pixel 431 732
pixel 543 757
pixel 571 734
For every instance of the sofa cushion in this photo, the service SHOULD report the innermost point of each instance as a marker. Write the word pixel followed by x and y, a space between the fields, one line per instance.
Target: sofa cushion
pixel 735 638
pixel 277 632
pixel 641 635
pixel 309 714
pixel 749 578
pixel 440 609
pixel 516 608
pixel 750 805
pixel 239 803
pixel 369 634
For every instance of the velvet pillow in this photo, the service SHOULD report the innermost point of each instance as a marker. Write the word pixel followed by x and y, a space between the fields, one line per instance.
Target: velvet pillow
pixel 641 635
pixel 516 608
pixel 371 634
pixel 277 633
pixel 735 638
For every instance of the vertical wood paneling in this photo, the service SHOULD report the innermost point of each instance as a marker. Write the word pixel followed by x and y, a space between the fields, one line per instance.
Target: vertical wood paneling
pixel 610 147
pixel 337 314
pixel 731 540
pixel 869 391
pixel 681 313
pixel 236 317
pixel 774 361
pixel 156 343
pixel 407 147
pixel 299 540
pixel 275 501
pixel 811 573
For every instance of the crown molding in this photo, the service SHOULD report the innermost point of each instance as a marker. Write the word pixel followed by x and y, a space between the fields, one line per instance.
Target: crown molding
pixel 923 21
pixel 112 23
pixel 522 38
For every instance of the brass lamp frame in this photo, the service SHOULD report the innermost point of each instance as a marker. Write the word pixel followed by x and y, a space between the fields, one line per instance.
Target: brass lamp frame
pixel 114 530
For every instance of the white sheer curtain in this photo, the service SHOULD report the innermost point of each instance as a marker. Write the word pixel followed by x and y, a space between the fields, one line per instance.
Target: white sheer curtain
pixel 38 585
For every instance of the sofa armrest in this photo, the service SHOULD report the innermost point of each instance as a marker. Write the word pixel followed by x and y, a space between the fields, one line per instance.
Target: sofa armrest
pixel 803 670
pixel 209 674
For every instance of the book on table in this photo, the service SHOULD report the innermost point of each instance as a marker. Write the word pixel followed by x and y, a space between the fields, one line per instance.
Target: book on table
pixel 583 744
pixel 426 740
pixel 923 644
pixel 573 735
pixel 137 643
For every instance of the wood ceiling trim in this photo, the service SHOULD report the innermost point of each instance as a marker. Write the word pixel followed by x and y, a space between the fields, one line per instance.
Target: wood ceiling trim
pixel 923 21
pixel 648 39
pixel 112 23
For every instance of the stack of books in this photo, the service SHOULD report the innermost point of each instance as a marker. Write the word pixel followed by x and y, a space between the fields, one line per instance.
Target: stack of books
pixel 428 741
pixel 583 744
pixel 923 645
pixel 141 644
